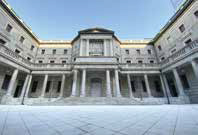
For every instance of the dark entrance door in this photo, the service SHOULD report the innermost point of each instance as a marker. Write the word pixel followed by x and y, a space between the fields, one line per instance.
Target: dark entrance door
pixel 18 90
pixel 184 82
pixel 172 88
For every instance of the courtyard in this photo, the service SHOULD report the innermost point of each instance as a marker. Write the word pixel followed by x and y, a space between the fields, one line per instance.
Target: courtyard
pixel 99 120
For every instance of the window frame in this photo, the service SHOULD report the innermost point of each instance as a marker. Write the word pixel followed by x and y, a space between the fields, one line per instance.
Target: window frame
pixel 196 14
pixel 9 28
pixel 40 61
pixel 51 61
pixel 138 51
pixel 182 28
pixel 22 39
pixel 54 51
pixel 127 51
pixel 149 51
pixel 43 51
pixel 17 51
pixel 65 51
pixel 159 47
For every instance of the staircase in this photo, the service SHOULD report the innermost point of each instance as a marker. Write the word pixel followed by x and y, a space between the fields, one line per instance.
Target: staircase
pixel 193 93
pixel 99 101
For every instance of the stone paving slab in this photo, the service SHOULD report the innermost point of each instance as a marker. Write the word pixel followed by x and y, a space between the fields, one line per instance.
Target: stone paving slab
pixel 99 120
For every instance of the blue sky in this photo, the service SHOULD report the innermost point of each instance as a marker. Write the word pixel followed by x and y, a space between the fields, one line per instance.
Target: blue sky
pixel 62 19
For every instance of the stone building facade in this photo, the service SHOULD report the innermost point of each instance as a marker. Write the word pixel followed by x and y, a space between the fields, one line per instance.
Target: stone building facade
pixel 98 65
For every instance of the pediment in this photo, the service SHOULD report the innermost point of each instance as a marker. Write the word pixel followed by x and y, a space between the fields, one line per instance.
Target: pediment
pixel 96 31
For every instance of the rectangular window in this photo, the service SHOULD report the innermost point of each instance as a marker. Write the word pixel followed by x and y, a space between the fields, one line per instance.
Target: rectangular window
pixel 128 61
pixel 168 38
pixel 182 28
pixel 54 51
pixel 8 28
pixel 43 51
pixel 48 86
pixel 149 51
pixel 32 48
pixel 133 86
pixel 184 81
pixel 159 47
pixel 65 51
pixel 140 61
pixel 64 62
pixel 51 61
pixel 40 61
pixel 22 39
pixel 17 51
pixel 144 86
pixel 196 14
pixel 163 58
pixel 151 61
pixel 174 50
pixel 2 42
pixel 127 51
pixel 157 86
pixel 6 82
pixel 59 86
pixel 34 86
pixel 138 51
pixel 28 58
pixel 188 42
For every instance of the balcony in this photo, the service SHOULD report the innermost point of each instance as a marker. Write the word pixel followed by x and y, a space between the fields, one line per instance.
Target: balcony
pixel 96 60
pixel 9 54
pixel 136 66
pixel 183 52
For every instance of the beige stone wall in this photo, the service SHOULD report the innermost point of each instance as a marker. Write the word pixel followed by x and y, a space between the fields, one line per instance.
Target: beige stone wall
pixel 13 37
pixel 173 39
pixel 58 57
pixel 134 57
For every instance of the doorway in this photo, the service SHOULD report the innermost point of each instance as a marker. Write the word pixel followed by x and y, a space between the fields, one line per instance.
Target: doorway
pixel 96 87
pixel 18 90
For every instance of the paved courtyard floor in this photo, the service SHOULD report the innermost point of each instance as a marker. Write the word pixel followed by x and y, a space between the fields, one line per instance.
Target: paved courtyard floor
pixel 99 120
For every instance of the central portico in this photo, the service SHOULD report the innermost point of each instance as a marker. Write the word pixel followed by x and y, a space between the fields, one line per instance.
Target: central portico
pixel 96 53
pixel 95 83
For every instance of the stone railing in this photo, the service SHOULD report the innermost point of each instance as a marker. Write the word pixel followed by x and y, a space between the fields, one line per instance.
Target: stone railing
pixel 96 60
pixel 139 65
pixel 14 56
pixel 188 49
pixel 39 66
pixel 8 53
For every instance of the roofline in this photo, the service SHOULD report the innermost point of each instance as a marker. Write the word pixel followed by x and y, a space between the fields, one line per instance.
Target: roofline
pixel 173 19
pixel 7 7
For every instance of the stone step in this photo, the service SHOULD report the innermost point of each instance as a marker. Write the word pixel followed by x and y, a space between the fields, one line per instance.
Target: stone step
pixel 103 101
pixel 193 92
pixel 194 99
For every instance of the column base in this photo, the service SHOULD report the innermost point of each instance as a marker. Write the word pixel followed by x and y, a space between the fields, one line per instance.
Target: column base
pixel 6 99
pixel 119 96
pixel 109 96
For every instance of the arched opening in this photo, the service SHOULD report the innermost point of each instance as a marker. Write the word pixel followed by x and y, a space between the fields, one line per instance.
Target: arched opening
pixel 96 87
